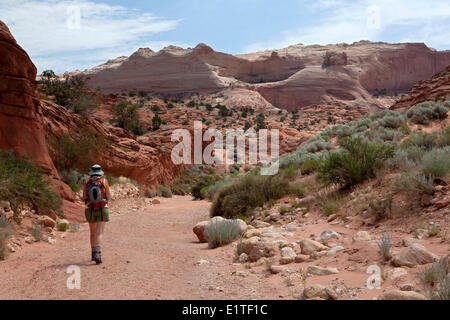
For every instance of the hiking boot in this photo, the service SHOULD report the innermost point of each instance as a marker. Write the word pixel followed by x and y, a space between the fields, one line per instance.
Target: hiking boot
pixel 97 257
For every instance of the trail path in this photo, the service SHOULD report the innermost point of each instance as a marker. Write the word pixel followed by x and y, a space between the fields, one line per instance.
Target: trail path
pixel 149 254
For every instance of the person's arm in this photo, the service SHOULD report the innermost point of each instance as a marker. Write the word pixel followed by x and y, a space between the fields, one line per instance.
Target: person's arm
pixel 84 191
pixel 108 194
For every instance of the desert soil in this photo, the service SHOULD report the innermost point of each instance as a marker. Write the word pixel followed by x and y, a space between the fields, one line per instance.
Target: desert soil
pixel 152 253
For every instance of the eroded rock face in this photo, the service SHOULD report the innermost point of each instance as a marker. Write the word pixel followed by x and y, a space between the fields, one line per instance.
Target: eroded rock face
pixel 438 87
pixel 288 78
pixel 21 120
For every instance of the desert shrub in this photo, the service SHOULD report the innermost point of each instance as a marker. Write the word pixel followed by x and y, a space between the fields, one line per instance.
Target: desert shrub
pixel 72 92
pixel 126 116
pixel 342 131
pixel 443 139
pixel 309 166
pixel 437 162
pixel 63 226
pixel 164 192
pixel 381 208
pixel 75 149
pixel 385 245
pixel 260 121
pixel 156 122
pixel 190 177
pixel 354 163
pixel 222 232
pixel 405 159
pixel 424 112
pixel 405 129
pixel 392 120
pixel 5 233
pixel 382 134
pixel 330 209
pixel 317 145
pixel 149 193
pixel 414 183
pixel 423 140
pixel 37 231
pixel 247 193
pixel 203 182
pixel 436 281
pixel 22 182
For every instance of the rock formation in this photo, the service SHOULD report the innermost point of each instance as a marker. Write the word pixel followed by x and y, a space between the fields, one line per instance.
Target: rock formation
pixel 289 78
pixel 21 120
pixel 436 88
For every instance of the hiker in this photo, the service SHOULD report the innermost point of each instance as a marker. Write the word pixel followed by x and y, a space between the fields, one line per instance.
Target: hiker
pixel 96 196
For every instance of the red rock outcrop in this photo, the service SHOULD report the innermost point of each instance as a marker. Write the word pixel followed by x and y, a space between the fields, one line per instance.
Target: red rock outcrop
pixel 21 123
pixel 296 76
pixel 436 88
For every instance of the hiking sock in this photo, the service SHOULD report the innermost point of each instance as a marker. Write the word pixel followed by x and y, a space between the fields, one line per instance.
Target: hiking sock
pixel 97 254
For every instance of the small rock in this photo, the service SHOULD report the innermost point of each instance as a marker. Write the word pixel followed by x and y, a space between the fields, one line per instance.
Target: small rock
pixel 288 252
pixel 408 241
pixel 306 200
pixel 319 271
pixel 327 234
pixel 396 273
pixel 407 287
pixel 362 236
pixel 156 201
pixel 309 246
pixel 46 221
pixel 243 258
pixel 332 217
pixel 275 216
pixel 333 250
pixel 315 291
pixel 286 260
pixel 291 228
pixel 261 224
pixel 300 258
pixel 51 240
pixel 5 205
pixel 401 295
pixel 202 261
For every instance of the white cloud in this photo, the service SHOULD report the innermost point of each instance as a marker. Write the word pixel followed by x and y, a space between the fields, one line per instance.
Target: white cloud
pixel 349 21
pixel 45 30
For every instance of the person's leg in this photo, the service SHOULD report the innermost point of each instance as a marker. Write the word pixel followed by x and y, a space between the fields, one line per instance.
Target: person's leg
pixel 98 240
pixel 99 232
pixel 93 233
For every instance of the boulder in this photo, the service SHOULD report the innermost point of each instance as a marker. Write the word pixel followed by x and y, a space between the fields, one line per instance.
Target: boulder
pixel 396 273
pixel 327 234
pixel 309 246
pixel 46 221
pixel 5 205
pixel 414 255
pixel 200 228
pixel 316 291
pixel 319 271
pixel 401 295
pixel 256 248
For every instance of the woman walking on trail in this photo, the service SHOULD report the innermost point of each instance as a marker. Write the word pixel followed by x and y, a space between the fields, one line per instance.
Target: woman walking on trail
pixel 96 196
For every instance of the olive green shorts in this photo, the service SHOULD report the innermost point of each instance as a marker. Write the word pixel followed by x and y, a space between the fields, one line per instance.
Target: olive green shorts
pixel 96 215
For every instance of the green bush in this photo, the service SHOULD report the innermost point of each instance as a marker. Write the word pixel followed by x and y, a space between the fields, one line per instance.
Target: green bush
pixel 75 149
pixel 5 233
pixel 72 92
pixel 37 231
pixel 223 232
pixel 309 166
pixel 354 163
pixel 149 193
pixel 156 122
pixel 22 182
pixel 423 140
pixel 437 162
pixel 164 192
pixel 414 183
pixel 205 175
pixel 381 208
pixel 247 193
pixel 126 116
pixel 424 112
pixel 385 245
pixel 393 120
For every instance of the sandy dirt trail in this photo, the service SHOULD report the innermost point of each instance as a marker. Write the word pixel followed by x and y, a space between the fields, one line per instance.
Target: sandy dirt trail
pixel 148 254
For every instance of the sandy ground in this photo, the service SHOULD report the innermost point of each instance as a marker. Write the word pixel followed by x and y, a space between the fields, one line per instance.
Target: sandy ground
pixel 149 254
pixel 152 254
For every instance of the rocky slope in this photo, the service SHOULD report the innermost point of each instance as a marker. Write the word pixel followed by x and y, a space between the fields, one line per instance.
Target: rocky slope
pixel 296 76
pixel 436 88
pixel 21 118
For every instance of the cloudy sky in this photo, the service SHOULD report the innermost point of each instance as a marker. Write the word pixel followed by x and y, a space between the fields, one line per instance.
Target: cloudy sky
pixel 79 34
